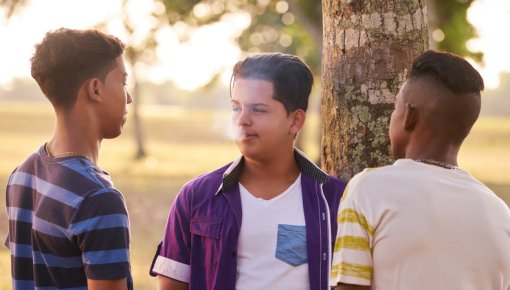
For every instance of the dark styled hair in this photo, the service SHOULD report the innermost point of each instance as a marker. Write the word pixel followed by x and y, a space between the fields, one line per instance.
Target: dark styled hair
pixel 453 93
pixel 292 79
pixel 452 71
pixel 66 58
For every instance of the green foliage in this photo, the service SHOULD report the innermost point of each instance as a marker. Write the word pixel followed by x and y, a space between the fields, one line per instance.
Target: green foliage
pixel 452 20
pixel 291 26
pixel 298 29
pixel 272 27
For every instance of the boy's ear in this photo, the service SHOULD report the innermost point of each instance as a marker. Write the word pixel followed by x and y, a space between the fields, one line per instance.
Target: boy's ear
pixel 298 121
pixel 94 89
pixel 411 118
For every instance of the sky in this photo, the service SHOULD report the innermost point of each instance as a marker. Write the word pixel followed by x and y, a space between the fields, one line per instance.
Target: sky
pixel 491 18
pixel 210 49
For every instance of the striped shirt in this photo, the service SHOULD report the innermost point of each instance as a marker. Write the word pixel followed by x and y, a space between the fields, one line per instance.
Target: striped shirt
pixel 67 224
pixel 419 226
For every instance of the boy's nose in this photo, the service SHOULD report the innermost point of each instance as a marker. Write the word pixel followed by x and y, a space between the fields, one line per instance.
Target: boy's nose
pixel 243 118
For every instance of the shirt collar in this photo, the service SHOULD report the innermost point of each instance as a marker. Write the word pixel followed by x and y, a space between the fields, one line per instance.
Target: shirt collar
pixel 231 175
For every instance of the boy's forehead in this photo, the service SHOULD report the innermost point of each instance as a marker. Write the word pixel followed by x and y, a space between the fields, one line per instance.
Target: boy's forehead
pixel 250 87
pixel 121 64
pixel 251 80
pixel 119 68
pixel 254 92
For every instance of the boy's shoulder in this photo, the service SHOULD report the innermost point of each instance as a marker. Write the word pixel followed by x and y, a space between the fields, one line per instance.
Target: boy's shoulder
pixel 207 181
pixel 334 184
pixel 385 174
pixel 372 179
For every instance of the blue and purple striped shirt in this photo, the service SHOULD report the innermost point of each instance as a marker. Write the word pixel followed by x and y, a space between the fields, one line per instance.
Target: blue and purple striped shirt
pixel 67 224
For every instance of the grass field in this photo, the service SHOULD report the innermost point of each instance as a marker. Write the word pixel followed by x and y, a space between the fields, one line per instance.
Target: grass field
pixel 182 144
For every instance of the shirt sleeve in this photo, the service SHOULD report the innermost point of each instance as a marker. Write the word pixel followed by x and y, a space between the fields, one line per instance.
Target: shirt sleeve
pixel 101 230
pixel 173 255
pixel 352 258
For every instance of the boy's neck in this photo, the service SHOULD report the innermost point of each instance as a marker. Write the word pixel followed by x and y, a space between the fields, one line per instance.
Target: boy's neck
pixel 270 170
pixel 74 137
pixel 267 179
pixel 434 149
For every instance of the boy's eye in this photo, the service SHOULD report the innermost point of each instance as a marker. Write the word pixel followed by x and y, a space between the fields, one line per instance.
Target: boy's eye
pixel 236 109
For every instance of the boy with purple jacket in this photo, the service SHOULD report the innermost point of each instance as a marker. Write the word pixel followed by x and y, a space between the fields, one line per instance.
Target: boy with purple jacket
pixel 266 220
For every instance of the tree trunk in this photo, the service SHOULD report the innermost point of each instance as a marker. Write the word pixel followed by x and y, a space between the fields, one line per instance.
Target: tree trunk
pixel 139 137
pixel 368 48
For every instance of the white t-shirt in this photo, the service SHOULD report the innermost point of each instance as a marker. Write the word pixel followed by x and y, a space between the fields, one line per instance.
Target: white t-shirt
pixel 272 243
pixel 417 226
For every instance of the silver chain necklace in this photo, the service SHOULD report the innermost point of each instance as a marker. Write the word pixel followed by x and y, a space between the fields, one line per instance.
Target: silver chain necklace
pixel 437 163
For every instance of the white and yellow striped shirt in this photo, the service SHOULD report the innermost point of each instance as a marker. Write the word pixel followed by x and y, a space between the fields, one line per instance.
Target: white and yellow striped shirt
pixel 417 226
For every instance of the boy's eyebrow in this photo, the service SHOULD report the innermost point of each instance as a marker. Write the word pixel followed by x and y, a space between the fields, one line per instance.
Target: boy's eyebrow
pixel 258 104
pixel 250 104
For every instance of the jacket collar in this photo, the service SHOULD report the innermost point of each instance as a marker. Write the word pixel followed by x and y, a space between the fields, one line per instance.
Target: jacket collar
pixel 231 175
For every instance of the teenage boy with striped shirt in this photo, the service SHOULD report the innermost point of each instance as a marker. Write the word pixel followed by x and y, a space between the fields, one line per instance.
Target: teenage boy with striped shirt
pixel 68 225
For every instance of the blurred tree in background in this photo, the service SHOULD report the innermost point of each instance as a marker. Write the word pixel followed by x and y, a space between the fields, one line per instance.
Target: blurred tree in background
pixel 449 28
pixel 11 5
pixel 295 26
pixel 290 26
pixel 141 46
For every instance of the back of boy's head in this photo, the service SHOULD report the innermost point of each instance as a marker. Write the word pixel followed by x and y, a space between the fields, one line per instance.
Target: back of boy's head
pixel 451 92
pixel 292 79
pixel 66 58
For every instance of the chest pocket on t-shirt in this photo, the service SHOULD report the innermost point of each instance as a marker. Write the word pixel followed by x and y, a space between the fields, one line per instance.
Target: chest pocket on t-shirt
pixel 291 245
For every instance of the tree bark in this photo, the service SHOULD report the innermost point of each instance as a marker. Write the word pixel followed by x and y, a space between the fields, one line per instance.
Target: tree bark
pixel 368 48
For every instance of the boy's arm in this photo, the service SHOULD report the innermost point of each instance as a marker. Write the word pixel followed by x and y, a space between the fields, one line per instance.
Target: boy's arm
pixel 117 284
pixel 352 266
pixel 100 229
pixel 165 283
pixel 172 257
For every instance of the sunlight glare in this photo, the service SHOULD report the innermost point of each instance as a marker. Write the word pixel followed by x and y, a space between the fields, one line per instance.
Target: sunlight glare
pixel 209 50
pixel 30 24
pixel 490 17
pixel 206 51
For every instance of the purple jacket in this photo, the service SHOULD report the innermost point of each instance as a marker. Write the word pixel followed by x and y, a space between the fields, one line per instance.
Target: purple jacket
pixel 200 242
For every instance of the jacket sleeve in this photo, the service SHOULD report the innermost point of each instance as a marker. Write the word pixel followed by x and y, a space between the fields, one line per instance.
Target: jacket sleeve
pixel 172 257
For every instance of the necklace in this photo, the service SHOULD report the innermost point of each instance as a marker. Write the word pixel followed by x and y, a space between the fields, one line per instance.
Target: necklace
pixel 437 163
pixel 68 153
